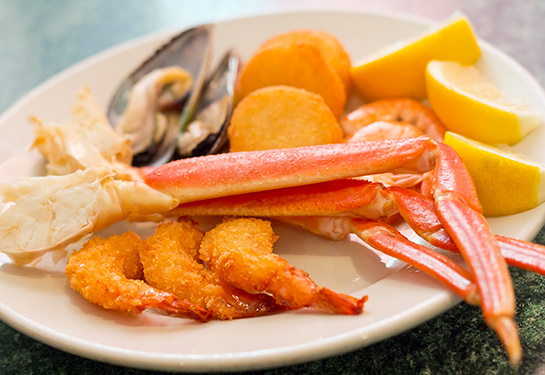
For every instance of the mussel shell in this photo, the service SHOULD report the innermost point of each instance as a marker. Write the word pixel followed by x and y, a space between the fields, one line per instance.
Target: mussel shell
pixel 219 85
pixel 192 50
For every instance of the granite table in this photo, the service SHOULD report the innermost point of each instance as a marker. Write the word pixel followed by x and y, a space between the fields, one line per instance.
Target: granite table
pixel 41 38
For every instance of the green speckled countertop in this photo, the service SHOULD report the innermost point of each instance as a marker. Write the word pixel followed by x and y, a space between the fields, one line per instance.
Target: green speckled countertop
pixel 41 38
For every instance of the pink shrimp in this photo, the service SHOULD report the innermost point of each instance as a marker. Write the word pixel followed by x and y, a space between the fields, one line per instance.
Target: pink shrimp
pixel 393 119
pixel 380 130
pixel 405 110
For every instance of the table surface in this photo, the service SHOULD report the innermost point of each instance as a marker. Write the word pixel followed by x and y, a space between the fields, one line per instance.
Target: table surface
pixel 39 39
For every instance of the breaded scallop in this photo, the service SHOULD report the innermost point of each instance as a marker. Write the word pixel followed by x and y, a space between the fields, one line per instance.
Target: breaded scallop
pixel 330 47
pixel 298 65
pixel 282 117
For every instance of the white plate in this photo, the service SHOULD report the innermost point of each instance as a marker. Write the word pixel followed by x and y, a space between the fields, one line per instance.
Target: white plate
pixel 39 302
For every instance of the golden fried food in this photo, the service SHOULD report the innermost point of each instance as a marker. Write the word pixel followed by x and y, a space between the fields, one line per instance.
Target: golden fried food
pixel 171 263
pixel 297 65
pixel 108 272
pixel 240 251
pixel 282 117
pixel 330 47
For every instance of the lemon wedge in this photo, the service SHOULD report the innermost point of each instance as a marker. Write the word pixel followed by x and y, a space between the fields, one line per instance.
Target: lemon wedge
pixel 507 183
pixel 468 104
pixel 399 70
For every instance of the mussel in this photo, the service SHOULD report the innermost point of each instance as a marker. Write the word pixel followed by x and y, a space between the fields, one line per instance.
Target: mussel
pixel 206 133
pixel 169 100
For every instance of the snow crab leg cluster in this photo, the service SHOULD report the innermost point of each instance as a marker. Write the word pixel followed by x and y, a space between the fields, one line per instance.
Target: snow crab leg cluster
pixel 452 192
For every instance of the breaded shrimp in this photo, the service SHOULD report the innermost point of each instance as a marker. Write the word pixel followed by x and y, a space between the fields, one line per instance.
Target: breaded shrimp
pixel 240 251
pixel 171 263
pixel 107 272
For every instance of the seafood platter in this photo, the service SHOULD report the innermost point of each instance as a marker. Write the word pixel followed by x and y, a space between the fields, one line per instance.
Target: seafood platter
pixel 186 200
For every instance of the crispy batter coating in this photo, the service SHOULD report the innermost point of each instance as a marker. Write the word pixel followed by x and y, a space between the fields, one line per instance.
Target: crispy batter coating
pixel 330 47
pixel 108 272
pixel 171 263
pixel 240 251
pixel 282 117
pixel 297 65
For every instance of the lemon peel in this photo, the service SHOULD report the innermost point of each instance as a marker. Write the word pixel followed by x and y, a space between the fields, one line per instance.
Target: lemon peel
pixel 399 69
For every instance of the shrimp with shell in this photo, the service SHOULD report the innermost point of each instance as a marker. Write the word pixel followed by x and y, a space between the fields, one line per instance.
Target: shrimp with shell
pixel 401 114
pixel 393 119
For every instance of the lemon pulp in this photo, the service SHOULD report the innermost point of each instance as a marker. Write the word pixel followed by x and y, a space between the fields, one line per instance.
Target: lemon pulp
pixel 468 104
pixel 506 183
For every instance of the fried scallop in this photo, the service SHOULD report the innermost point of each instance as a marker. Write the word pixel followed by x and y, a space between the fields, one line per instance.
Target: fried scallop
pixel 330 47
pixel 282 117
pixel 298 65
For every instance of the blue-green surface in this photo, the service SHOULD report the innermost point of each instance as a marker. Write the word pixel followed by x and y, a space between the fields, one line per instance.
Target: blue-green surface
pixel 41 38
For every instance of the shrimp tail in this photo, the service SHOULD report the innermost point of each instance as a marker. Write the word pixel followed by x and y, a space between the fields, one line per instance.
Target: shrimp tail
pixel 183 309
pixel 338 303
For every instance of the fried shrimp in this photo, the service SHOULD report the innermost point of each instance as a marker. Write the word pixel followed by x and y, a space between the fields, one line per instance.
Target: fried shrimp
pixel 171 262
pixel 240 251
pixel 108 272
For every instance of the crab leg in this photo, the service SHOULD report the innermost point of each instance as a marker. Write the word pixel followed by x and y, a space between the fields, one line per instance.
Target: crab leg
pixel 243 172
pixel 355 198
pixel 344 197
pixel 418 212
pixel 522 254
pixel 454 195
pixel 340 197
pixel 458 209
pixel 43 214
pixel 388 240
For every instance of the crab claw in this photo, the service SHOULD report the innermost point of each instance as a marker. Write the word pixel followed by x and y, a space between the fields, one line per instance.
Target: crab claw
pixel 47 213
